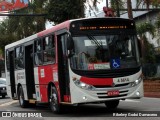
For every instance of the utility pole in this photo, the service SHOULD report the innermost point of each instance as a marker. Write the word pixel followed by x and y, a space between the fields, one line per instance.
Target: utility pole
pixel 107 3
pixel 129 6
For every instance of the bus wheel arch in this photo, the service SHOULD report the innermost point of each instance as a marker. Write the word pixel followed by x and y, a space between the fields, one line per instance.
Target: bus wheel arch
pixel 49 89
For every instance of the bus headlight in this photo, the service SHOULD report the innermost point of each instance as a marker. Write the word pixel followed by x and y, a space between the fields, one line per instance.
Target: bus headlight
pixel 83 85
pixel 136 82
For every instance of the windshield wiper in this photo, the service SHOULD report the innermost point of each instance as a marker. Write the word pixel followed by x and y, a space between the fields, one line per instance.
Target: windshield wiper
pixel 95 41
pixel 99 46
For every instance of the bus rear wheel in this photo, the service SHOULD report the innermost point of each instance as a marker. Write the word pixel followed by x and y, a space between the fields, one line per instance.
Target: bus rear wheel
pixel 54 101
pixel 112 104
pixel 22 101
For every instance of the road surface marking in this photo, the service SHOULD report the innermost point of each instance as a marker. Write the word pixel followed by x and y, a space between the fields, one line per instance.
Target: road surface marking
pixel 129 100
pixel 8 103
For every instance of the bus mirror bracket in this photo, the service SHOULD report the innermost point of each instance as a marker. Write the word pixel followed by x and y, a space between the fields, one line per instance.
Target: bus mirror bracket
pixel 139 47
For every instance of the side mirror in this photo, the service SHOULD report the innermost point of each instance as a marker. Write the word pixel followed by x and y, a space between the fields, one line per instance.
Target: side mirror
pixel 70 43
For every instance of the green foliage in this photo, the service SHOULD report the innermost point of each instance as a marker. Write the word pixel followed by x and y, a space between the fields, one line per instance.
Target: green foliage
pixel 149 51
pixel 155 3
pixel 142 28
pixel 121 4
pixel 16 28
pixel 157 23
pixel 149 56
pixel 59 11
pixel 148 3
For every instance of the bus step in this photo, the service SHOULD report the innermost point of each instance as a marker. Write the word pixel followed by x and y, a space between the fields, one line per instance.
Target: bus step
pixel 32 101
pixel 66 103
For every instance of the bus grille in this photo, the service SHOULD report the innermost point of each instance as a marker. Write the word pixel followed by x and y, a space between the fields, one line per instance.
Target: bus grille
pixel 104 95
pixel 108 86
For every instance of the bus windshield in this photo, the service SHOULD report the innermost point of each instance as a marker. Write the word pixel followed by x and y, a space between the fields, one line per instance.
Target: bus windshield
pixel 105 52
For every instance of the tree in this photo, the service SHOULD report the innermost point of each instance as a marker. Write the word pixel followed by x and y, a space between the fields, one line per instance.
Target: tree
pixel 19 27
pixel 16 28
pixel 147 3
pixel 129 6
pixel 116 5
pixel 59 11
pixel 148 53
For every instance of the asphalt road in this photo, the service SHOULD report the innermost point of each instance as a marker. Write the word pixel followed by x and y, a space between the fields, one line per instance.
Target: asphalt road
pixel 133 109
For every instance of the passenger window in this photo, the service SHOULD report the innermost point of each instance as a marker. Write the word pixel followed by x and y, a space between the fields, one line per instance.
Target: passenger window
pixel 49 50
pixel 38 45
pixel 19 61
pixel 44 51
pixel 38 56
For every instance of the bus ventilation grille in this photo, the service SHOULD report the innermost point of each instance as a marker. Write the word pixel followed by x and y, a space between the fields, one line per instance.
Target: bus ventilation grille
pixel 108 86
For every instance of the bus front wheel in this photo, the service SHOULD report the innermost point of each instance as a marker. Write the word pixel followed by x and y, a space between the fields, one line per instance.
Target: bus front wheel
pixel 22 101
pixel 112 104
pixel 53 100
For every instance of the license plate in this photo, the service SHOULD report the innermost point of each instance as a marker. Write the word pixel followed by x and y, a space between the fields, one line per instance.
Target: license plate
pixel 113 93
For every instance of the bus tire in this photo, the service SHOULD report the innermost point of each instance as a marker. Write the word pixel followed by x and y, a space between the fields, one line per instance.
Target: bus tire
pixel 23 103
pixel 112 104
pixel 54 101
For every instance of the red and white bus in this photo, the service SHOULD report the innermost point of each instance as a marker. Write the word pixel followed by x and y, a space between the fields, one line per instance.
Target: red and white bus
pixel 94 60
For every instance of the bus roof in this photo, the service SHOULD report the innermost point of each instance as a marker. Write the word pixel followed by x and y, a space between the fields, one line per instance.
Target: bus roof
pixel 60 26
pixel 39 34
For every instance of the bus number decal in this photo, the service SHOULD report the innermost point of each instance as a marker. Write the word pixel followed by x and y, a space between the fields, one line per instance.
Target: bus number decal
pixel 55 76
pixel 42 73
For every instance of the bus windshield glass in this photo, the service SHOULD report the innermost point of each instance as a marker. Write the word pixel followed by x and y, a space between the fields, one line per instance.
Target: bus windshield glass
pixel 105 52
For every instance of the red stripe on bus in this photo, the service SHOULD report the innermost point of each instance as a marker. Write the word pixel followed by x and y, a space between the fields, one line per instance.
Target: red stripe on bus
pixel 54 29
pixel 97 81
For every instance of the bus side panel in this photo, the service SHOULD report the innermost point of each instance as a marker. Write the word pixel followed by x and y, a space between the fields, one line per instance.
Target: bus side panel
pixel 45 76
pixel 56 80
pixel 43 93
pixel 37 88
pixel 21 79
pixel 8 84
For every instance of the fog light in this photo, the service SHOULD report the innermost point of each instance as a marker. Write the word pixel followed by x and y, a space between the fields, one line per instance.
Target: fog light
pixel 136 81
pixel 137 93
pixel 84 98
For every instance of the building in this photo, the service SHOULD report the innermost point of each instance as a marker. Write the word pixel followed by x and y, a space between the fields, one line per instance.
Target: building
pixel 6 5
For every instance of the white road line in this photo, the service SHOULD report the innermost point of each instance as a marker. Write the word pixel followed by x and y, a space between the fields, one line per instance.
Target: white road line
pixel 8 103
pixel 129 100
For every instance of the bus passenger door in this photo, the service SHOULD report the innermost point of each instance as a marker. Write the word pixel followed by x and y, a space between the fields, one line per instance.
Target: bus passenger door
pixel 12 75
pixel 29 69
pixel 63 72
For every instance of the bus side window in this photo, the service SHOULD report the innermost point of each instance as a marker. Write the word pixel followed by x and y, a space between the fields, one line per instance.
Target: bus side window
pixel 49 49
pixel 19 61
pixel 38 56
